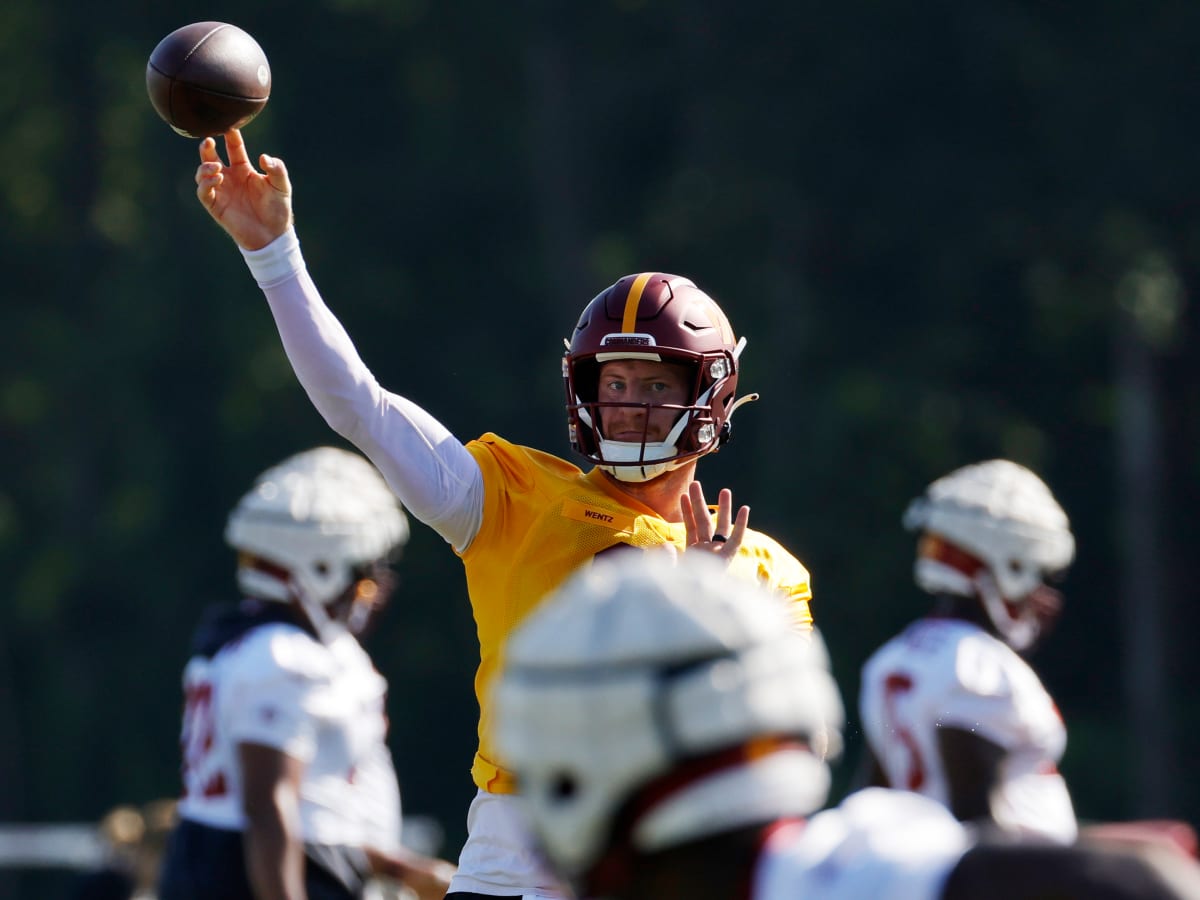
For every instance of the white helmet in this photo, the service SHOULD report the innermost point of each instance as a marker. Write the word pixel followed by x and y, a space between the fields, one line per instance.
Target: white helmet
pixel 640 669
pixel 315 520
pixel 1005 516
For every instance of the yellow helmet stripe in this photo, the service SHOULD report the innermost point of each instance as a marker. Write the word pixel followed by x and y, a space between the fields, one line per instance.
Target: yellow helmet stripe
pixel 629 317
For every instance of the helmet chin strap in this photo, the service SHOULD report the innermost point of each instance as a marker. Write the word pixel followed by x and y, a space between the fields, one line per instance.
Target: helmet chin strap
pixel 295 591
pixel 637 462
pixel 643 454
pixel 637 474
pixel 326 627
pixel 1020 630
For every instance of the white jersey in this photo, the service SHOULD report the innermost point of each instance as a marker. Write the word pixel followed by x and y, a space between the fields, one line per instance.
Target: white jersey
pixel 880 844
pixel 378 800
pixel 324 705
pixel 947 672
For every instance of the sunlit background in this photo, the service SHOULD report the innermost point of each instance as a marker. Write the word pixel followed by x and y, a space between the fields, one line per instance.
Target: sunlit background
pixel 949 232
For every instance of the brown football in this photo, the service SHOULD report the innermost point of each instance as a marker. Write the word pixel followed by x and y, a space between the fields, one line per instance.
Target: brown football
pixel 208 77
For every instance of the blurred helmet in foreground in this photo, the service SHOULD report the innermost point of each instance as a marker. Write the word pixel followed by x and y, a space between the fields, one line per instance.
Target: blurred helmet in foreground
pixel 649 703
pixel 1013 532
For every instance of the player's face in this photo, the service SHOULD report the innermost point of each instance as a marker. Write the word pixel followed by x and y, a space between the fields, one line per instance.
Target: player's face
pixel 641 381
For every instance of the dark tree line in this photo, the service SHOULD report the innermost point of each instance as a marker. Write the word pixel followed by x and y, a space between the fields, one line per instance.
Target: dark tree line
pixel 949 231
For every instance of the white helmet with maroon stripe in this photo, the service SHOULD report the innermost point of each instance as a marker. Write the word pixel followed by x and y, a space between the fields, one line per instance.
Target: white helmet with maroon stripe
pixel 311 527
pixel 663 318
pixel 1006 534
pixel 647 704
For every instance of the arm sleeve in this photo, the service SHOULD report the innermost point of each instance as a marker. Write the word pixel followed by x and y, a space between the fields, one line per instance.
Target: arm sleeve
pixel 430 470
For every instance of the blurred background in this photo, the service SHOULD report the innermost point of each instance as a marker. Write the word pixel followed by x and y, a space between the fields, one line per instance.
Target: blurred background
pixel 949 232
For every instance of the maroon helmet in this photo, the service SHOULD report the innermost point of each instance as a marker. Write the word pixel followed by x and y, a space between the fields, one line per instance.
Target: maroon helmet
pixel 664 318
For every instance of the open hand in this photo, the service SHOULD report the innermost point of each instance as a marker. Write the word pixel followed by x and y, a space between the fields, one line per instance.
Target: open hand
pixel 725 537
pixel 253 207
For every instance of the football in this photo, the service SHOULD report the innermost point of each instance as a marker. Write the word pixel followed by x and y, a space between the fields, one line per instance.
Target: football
pixel 208 77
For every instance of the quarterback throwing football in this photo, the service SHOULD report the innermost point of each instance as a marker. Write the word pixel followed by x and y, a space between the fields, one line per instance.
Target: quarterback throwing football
pixel 651 375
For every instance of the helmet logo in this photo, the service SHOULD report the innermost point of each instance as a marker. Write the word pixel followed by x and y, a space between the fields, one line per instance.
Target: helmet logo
pixel 627 340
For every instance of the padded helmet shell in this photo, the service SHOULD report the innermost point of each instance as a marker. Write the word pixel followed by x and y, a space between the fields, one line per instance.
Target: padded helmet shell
pixel 319 517
pixel 1003 515
pixel 660 317
pixel 637 666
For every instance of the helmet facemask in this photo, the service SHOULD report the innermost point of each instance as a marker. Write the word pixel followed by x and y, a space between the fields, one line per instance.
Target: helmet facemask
pixel 355 609
pixel 694 432
pixel 361 604
pixel 1023 622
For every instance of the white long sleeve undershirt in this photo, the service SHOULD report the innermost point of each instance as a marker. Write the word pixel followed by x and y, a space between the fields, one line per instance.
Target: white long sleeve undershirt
pixel 430 470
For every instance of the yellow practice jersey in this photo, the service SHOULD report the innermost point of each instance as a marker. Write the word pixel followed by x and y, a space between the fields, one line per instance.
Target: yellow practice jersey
pixel 542 519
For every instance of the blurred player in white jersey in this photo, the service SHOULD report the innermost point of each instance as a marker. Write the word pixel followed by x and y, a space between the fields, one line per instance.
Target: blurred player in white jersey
pixel 289 786
pixel 949 707
pixel 660 719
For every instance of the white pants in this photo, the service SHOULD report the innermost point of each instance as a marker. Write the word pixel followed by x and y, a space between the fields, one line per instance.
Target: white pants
pixel 499 857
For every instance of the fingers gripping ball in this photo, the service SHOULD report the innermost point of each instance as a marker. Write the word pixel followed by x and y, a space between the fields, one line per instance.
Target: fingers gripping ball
pixel 208 77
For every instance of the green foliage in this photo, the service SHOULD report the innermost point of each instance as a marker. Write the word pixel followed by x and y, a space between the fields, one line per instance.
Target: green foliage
pixel 932 223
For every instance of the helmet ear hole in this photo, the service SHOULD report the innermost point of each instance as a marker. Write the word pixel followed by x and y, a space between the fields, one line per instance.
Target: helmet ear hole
pixel 587 380
pixel 726 431
pixel 563 787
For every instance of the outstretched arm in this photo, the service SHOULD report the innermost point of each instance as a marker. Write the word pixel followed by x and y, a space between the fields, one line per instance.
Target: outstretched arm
pixel 431 471
pixel 253 207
